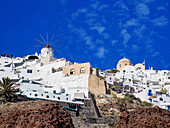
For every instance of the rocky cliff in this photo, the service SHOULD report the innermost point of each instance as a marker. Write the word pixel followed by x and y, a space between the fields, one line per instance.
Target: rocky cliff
pixel 150 117
pixel 35 114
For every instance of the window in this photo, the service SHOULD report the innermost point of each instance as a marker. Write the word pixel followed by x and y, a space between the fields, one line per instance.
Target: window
pixel 125 64
pixel 82 70
pixel 29 71
pixel 66 94
pixel 66 98
pixel 36 95
pixel 6 62
pixel 53 96
pixel 25 81
pixel 47 96
pixel 41 94
pixel 120 65
pixel 54 91
pixel 161 99
pixel 72 71
pixel 58 98
pixel 30 93
pixel 34 90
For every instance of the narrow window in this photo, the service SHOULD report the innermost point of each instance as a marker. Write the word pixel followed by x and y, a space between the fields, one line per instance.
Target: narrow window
pixel 29 71
pixel 82 70
pixel 72 71
pixel 58 98
pixel 161 99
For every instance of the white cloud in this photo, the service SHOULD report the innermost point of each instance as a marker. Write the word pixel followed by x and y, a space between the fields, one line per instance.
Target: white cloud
pixel 99 41
pixel 134 46
pixel 78 11
pixel 139 31
pixel 132 22
pixel 122 5
pixel 161 21
pixel 114 42
pixel 105 35
pixel 101 52
pixel 99 6
pixel 100 29
pixel 126 37
pixel 142 9
pixel 83 36
pixel 148 1
pixel 161 8
pixel 155 54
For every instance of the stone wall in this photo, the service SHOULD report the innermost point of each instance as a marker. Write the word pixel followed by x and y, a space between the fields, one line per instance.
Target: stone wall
pixel 96 85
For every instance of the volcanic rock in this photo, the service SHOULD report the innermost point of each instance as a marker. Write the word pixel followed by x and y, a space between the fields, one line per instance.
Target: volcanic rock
pixel 38 114
pixel 151 117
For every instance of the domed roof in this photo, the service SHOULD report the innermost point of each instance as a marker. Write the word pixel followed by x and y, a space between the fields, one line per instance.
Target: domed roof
pixel 139 65
pixel 124 60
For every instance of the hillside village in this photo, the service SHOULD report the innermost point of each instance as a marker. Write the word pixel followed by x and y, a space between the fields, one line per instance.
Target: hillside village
pixel 43 76
pixel 95 98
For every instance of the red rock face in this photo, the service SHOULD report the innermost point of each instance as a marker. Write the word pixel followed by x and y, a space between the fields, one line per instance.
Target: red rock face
pixel 37 114
pixel 152 117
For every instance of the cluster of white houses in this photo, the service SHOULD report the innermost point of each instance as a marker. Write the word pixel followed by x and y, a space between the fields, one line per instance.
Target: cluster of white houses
pixel 45 77
pixel 149 85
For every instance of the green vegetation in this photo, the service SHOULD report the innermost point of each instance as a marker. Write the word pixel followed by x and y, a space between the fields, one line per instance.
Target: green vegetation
pixel 7 90
pixel 111 125
pixel 162 91
pixel 83 118
pixel 105 109
pixel 144 103
pixel 114 96
pixel 129 99
pixel 138 99
pixel 93 95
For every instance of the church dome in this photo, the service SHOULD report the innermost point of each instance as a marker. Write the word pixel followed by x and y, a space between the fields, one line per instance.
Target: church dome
pixel 124 60
pixel 123 63
pixel 140 66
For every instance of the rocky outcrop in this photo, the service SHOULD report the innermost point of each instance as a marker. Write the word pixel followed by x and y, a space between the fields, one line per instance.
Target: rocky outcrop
pixel 151 117
pixel 35 114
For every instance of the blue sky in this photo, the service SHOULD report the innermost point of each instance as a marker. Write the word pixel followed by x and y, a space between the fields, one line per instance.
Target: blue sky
pixel 100 31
